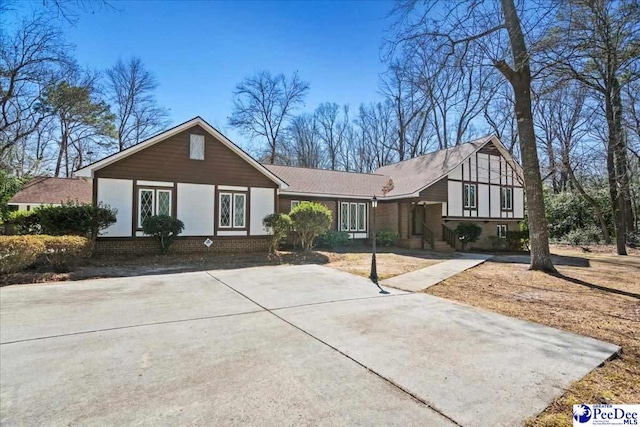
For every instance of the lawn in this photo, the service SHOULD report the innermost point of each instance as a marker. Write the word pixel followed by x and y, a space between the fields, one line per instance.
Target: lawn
pixel 567 302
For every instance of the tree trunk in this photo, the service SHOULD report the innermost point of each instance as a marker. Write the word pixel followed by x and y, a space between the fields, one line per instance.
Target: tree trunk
pixel 613 170
pixel 520 80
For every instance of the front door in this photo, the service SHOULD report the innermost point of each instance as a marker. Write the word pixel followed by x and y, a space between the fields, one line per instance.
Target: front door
pixel 417 220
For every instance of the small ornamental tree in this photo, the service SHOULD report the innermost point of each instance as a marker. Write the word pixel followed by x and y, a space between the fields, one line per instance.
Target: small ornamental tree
pixel 164 228
pixel 278 225
pixel 309 220
pixel 468 232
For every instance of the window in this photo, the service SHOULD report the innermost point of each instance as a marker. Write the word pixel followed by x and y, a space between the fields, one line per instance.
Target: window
pixel 506 198
pixel 196 147
pixel 502 231
pixel 294 203
pixel 153 202
pixel 344 215
pixel 232 211
pixel 238 210
pixel 353 216
pixel 470 196
pixel 362 217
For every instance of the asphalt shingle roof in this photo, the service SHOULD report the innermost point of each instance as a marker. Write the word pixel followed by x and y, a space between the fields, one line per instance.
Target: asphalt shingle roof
pixel 47 190
pixel 321 181
pixel 409 176
pixel 414 174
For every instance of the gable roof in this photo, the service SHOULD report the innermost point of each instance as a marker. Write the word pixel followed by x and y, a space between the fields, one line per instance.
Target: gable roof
pixel 89 170
pixel 45 190
pixel 328 183
pixel 414 175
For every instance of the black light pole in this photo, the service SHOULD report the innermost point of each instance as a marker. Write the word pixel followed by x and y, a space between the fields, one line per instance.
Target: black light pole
pixel 374 270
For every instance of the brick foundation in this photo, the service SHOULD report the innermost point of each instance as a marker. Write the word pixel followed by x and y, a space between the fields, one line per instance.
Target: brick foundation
pixel 488 229
pixel 147 245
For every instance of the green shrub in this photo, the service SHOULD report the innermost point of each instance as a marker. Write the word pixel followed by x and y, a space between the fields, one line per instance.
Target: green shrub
pixel 19 252
pixel 278 225
pixel 75 219
pixel 63 251
pixel 517 240
pixel 25 222
pixel 497 243
pixel 164 228
pixel 468 232
pixel 387 238
pixel 633 238
pixel 309 220
pixel 583 236
pixel 333 239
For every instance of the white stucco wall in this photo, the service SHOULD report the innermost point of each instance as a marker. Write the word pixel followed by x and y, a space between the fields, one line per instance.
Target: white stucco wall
pixel 455 198
pixel 117 193
pixel 518 202
pixel 195 208
pixel 262 204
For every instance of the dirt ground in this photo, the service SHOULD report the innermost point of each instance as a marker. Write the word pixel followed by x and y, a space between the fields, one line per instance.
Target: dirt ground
pixel 568 302
pixel 389 264
pixel 355 259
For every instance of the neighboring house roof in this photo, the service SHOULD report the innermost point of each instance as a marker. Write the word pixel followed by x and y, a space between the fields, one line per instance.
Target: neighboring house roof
pixel 413 175
pixel 328 183
pixel 45 190
pixel 88 170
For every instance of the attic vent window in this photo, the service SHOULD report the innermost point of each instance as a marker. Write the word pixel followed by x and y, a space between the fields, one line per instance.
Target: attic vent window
pixel 196 147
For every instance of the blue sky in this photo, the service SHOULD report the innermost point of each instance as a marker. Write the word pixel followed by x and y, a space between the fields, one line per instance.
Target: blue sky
pixel 199 50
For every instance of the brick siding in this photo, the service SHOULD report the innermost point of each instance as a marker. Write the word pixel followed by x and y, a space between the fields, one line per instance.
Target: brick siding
pixel 147 245
pixel 488 229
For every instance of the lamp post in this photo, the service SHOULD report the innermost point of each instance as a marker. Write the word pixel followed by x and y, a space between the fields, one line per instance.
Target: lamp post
pixel 374 270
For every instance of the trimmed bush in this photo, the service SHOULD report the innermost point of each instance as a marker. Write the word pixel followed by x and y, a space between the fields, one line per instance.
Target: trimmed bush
pixel 517 240
pixel 333 239
pixel 278 225
pixel 387 238
pixel 19 252
pixel 63 251
pixel 468 232
pixel 25 222
pixel 75 219
pixel 497 243
pixel 309 220
pixel 164 228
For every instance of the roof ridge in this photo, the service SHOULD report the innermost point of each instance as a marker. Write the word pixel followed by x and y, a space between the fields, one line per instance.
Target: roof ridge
pixel 474 141
pixel 323 170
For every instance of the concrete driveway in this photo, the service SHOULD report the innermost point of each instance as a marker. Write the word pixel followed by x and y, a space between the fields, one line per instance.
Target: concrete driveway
pixel 290 345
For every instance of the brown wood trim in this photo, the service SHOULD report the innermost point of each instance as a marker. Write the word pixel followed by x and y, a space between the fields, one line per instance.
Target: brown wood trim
pixel 136 188
pixel 216 213
pixel 482 218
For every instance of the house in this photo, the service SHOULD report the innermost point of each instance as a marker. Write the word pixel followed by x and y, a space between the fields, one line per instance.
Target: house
pixel 221 193
pixel 51 191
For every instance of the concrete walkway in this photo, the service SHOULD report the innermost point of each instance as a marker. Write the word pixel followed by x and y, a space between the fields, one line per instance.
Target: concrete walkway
pixel 425 278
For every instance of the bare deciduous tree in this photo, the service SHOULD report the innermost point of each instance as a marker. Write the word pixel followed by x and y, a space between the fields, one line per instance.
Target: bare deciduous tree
pixel 31 60
pixel 263 105
pixel 130 87
pixel 597 43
